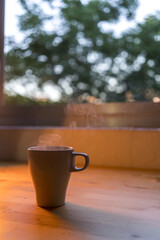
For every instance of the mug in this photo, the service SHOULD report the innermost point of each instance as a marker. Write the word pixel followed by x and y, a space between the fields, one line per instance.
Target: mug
pixel 50 168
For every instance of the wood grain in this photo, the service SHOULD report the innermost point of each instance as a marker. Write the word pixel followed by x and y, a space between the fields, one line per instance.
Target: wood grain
pixel 101 204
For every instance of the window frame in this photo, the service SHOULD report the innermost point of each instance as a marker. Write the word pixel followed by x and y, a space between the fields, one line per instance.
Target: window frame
pixel 2 12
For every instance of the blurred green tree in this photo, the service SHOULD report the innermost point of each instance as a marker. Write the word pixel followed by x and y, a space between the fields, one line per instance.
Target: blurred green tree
pixel 141 59
pixel 68 43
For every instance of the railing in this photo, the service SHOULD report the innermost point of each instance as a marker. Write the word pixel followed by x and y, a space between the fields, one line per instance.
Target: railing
pixel 144 114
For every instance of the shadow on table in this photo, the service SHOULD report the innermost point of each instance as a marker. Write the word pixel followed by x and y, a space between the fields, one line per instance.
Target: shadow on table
pixel 91 221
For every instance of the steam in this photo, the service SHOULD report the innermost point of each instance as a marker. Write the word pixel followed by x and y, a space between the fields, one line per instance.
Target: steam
pixel 76 115
pixel 49 140
pixel 84 115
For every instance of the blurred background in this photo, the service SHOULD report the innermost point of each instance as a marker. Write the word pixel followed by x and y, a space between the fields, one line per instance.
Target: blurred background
pixel 82 51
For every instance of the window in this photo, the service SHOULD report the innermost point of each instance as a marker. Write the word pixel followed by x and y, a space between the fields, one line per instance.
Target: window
pixel 73 87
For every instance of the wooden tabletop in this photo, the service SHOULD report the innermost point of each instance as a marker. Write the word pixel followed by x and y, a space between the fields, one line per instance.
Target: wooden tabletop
pixel 101 204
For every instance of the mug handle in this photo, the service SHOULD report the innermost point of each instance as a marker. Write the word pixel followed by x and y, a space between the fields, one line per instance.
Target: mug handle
pixel 74 168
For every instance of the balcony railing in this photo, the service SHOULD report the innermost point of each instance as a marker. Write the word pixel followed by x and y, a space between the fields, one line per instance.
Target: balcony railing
pixel 143 114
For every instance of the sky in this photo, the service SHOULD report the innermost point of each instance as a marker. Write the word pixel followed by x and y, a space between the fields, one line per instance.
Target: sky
pixel 146 7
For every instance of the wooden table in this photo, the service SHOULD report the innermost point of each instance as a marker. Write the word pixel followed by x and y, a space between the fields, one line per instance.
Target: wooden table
pixel 101 203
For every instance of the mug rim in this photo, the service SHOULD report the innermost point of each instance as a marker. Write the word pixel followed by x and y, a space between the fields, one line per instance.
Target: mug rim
pixel 50 148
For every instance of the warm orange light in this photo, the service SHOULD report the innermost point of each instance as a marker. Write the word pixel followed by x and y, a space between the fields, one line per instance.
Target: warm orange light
pixel 93 100
pixel 156 99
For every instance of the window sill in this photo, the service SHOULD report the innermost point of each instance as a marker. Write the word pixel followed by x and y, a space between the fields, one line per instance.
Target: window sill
pixel 111 147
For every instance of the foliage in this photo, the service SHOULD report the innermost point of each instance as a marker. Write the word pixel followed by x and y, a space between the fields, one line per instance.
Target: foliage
pixel 142 58
pixel 74 51
pixel 22 100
